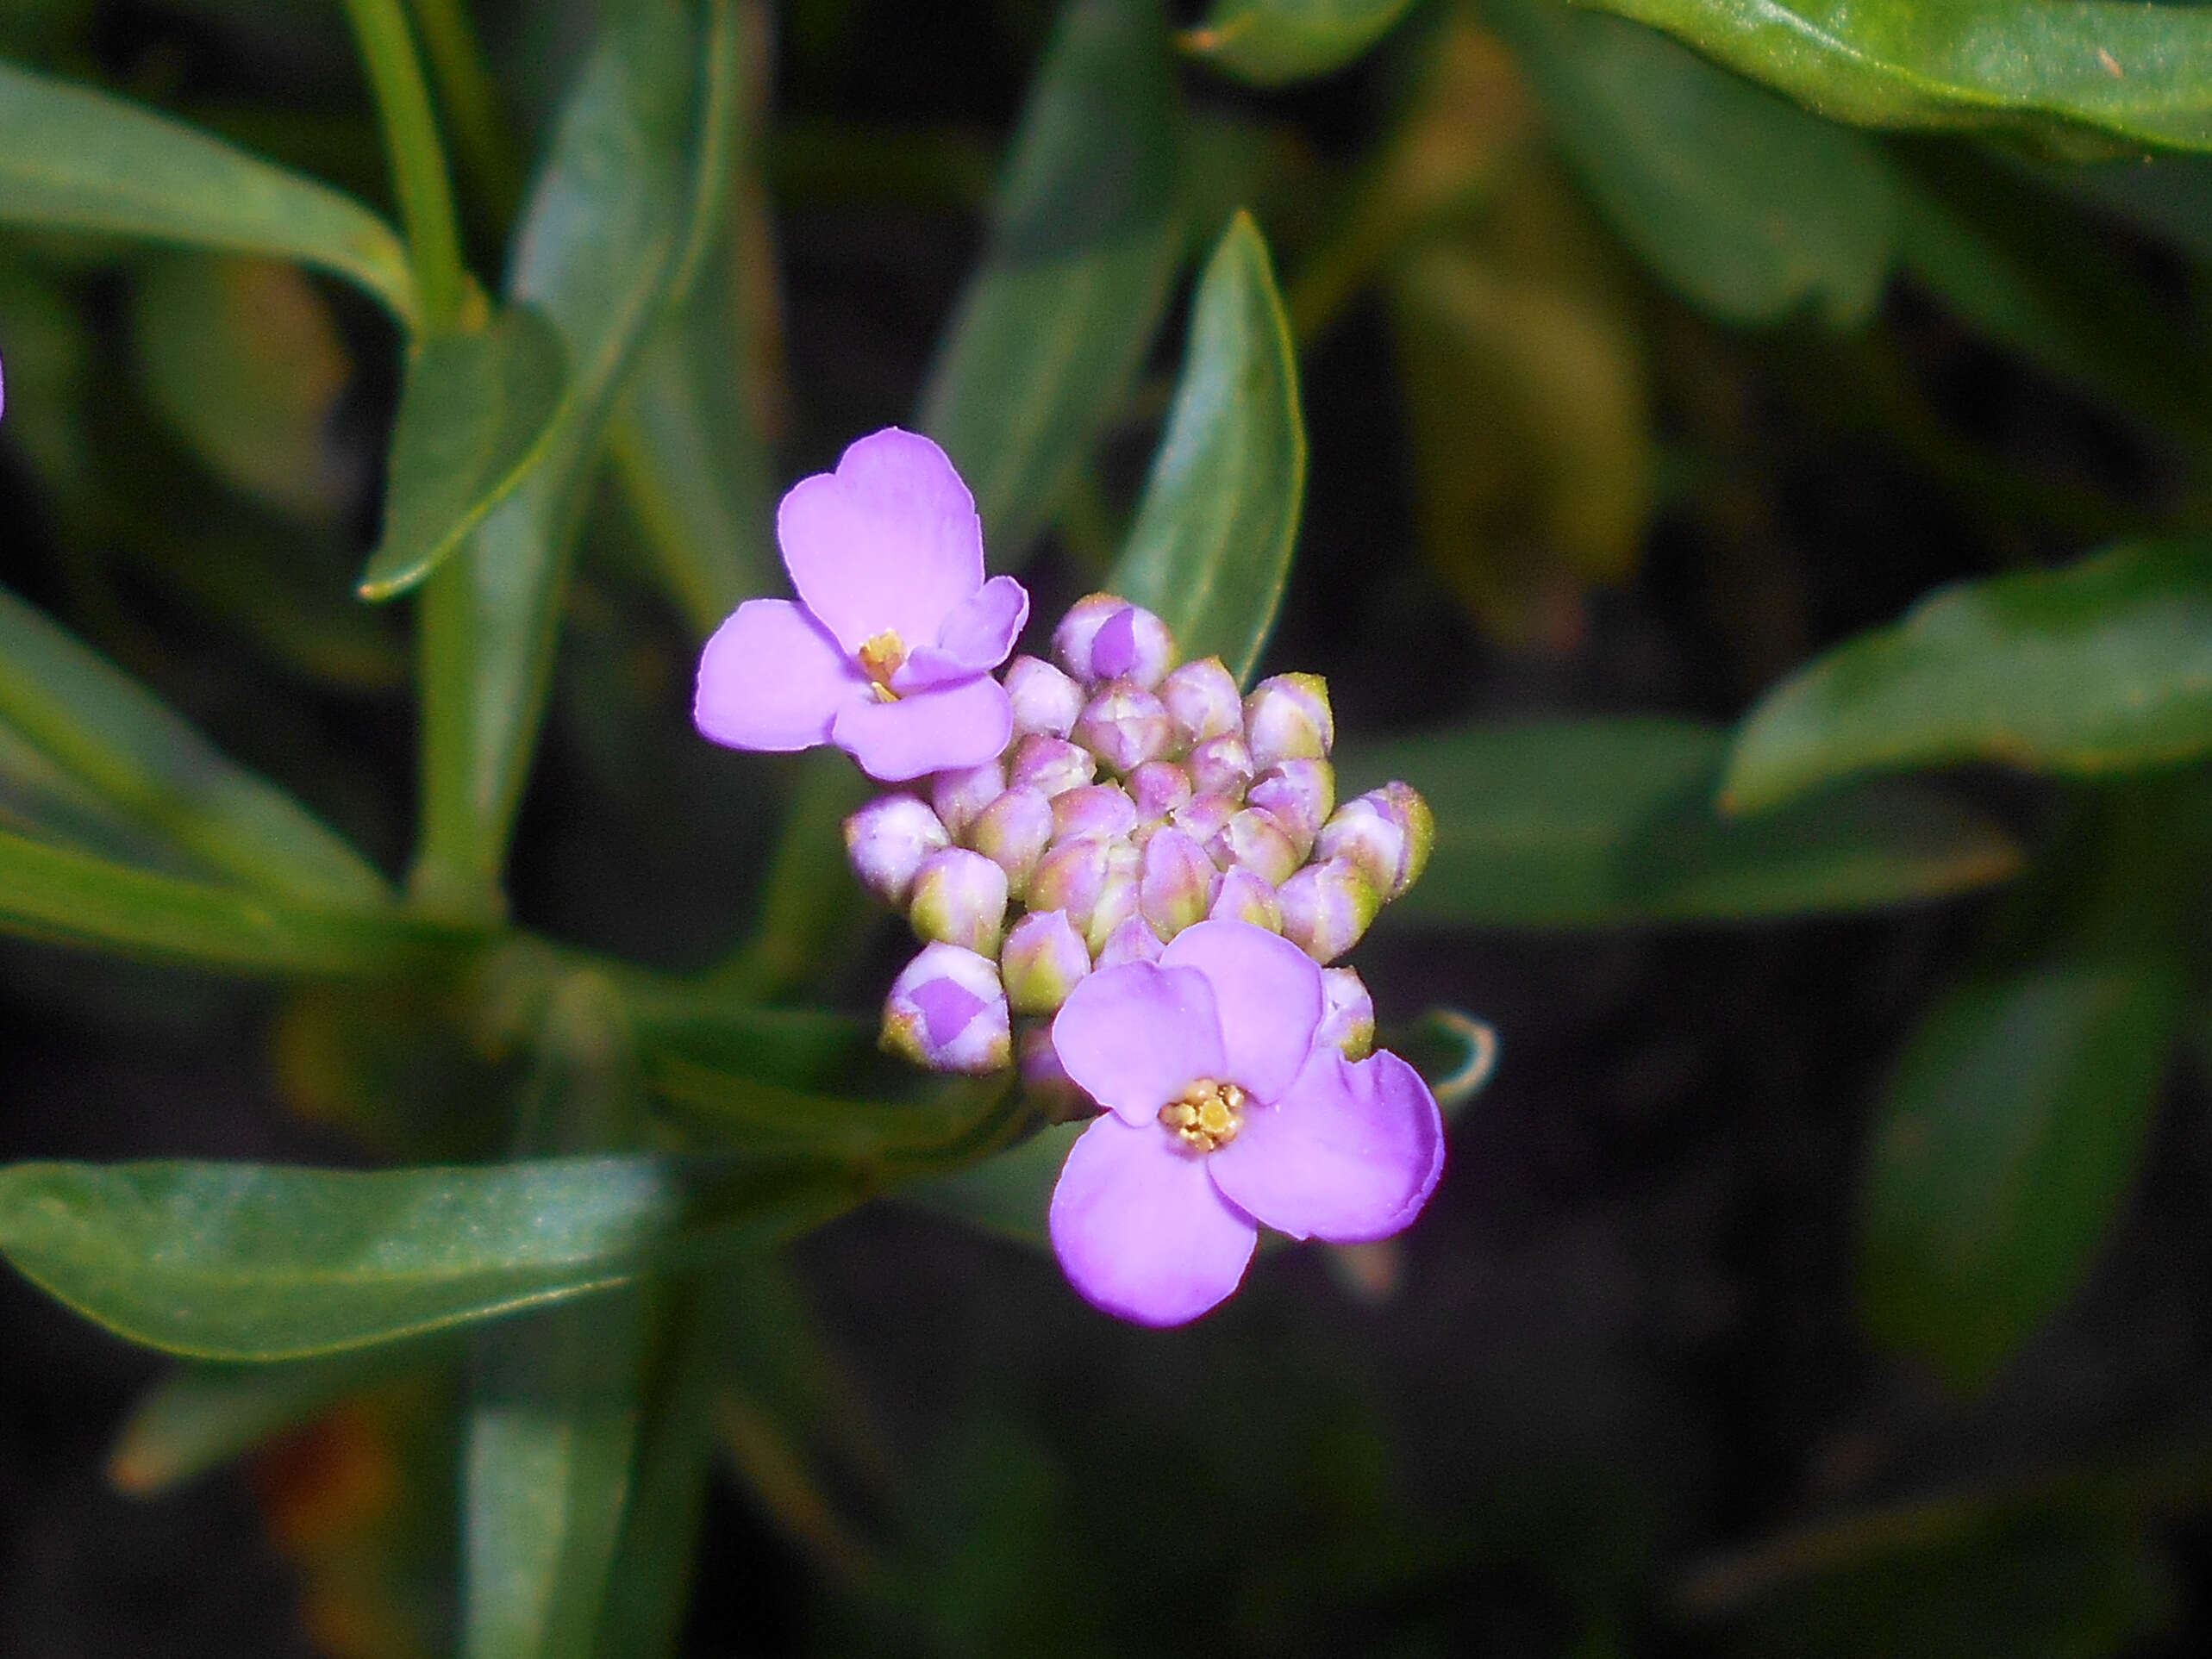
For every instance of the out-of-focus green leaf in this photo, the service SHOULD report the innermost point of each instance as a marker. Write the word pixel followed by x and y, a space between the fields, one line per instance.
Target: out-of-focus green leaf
pixel 1084 240
pixel 2104 666
pixel 1270 43
pixel 1210 549
pixel 1606 823
pixel 1741 201
pixel 1007 1195
pixel 2168 197
pixel 100 726
pixel 478 411
pixel 798 1047
pixel 205 1413
pixel 2064 69
pixel 255 1262
pixel 49 350
pixel 727 1108
pixel 71 158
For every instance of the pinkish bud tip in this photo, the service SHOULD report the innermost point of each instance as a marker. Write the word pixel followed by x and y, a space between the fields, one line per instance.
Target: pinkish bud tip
pixel 960 898
pixel 1326 907
pixel 887 840
pixel 947 1012
pixel 1044 700
pixel 1288 718
pixel 1124 725
pixel 1043 959
pixel 1201 700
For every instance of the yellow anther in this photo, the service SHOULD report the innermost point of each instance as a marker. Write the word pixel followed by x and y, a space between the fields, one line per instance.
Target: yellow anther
pixel 1206 1117
pixel 880 657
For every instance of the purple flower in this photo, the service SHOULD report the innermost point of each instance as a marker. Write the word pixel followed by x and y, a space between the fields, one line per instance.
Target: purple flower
pixel 888 654
pixel 1222 1116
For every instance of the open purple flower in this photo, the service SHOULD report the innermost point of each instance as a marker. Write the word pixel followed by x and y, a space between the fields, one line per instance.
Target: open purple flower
pixel 1223 1116
pixel 890 650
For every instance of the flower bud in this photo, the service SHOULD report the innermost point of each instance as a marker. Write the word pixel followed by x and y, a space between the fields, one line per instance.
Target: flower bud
pixel 1052 765
pixel 1201 702
pixel 1288 718
pixel 1133 941
pixel 1043 959
pixel 1158 787
pixel 888 839
pixel 1300 793
pixel 1044 700
pixel 1097 812
pixel 1079 630
pixel 1070 877
pixel 1244 897
pixel 1252 840
pixel 947 1012
pixel 960 793
pixel 1177 884
pixel 960 898
pixel 1347 1013
pixel 1132 645
pixel 1221 765
pixel 1326 908
pixel 1045 1080
pixel 1386 832
pixel 1203 815
pixel 1124 725
pixel 1117 894
pixel 1013 832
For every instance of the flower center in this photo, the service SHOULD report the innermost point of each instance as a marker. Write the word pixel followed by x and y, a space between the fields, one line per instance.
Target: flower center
pixel 881 657
pixel 1206 1117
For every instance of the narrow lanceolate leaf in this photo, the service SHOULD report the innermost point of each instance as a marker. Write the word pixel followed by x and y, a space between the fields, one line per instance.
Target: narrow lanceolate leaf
pixel 253 1262
pixel 1741 201
pixel 1271 42
pixel 1083 241
pixel 476 412
pixel 1609 822
pixel 1210 549
pixel 101 729
pixel 72 158
pixel 2140 73
pixel 2102 667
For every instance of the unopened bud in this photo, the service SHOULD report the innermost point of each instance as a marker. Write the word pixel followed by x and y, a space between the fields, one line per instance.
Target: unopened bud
pixel 1288 718
pixel 1043 959
pixel 1158 787
pixel 960 898
pixel 1117 894
pixel 1300 795
pixel 1079 629
pixel 1070 877
pixel 1326 908
pixel 1386 832
pixel 1244 897
pixel 1221 765
pixel 960 793
pixel 1347 1013
pixel 1013 832
pixel 1045 1080
pixel 1124 725
pixel 1096 812
pixel 1178 884
pixel 1133 941
pixel 1201 700
pixel 947 1011
pixel 1044 700
pixel 1132 644
pixel 1205 815
pixel 1052 765
pixel 1252 840
pixel 888 839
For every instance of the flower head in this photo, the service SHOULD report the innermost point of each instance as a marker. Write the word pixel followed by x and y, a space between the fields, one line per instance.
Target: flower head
pixel 1223 1115
pixel 889 651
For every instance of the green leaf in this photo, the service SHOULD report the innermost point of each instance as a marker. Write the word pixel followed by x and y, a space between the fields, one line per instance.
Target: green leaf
pixel 950 1120
pixel 1007 1195
pixel 1083 241
pixel 1741 202
pixel 1272 42
pixel 71 158
pixel 2063 69
pixel 1210 549
pixel 2104 666
pixel 100 727
pixel 1606 823
pixel 254 1262
pixel 477 412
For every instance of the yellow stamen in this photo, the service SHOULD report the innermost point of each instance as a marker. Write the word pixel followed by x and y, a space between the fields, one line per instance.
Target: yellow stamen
pixel 880 657
pixel 1206 1117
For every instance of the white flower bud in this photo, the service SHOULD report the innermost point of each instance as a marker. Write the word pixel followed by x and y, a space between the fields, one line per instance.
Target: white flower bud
pixel 888 839
pixel 1245 897
pixel 1043 959
pixel 1201 700
pixel 946 1010
pixel 1177 884
pixel 1254 841
pixel 1326 909
pixel 1013 832
pixel 1347 1013
pixel 1288 718
pixel 960 898
pixel 1221 765
pixel 1124 725
pixel 1044 700
pixel 1133 941
pixel 1300 793
pixel 960 793
pixel 1052 765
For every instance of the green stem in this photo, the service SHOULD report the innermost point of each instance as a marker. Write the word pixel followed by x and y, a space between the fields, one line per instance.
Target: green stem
pixel 457 868
pixel 481 133
pixel 418 162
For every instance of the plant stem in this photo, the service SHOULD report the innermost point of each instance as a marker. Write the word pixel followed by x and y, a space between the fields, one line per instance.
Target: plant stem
pixel 418 161
pixel 482 136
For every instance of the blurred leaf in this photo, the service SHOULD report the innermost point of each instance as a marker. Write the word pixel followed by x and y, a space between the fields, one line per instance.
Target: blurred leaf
pixel 2064 69
pixel 1007 1195
pixel 49 371
pixel 954 1118
pixel 478 411
pixel 71 158
pixel 102 728
pixel 799 1048
pixel 2167 196
pixel 1210 549
pixel 1083 242
pixel 1741 201
pixel 1271 42
pixel 2102 666
pixel 256 1261
pixel 1604 823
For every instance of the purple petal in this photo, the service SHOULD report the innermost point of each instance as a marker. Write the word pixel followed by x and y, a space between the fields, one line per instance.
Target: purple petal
pixel 1140 1231
pixel 1350 1154
pixel 962 724
pixel 1268 992
pixel 975 639
pixel 773 678
pixel 1136 1036
pixel 889 540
